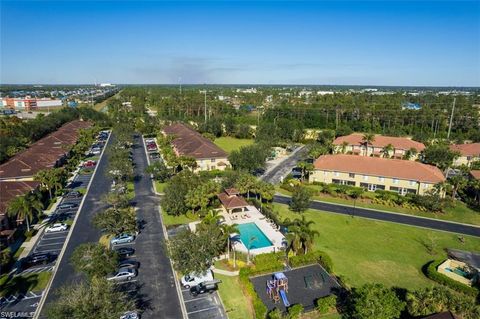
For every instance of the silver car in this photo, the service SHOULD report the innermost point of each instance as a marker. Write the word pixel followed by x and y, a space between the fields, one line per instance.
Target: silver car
pixel 124 274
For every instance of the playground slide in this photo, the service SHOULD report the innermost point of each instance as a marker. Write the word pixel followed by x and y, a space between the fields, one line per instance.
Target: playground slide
pixel 284 298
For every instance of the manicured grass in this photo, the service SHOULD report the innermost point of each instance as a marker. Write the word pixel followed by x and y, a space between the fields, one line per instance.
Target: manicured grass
pixel 160 186
pixel 171 220
pixel 366 251
pixel 23 284
pixel 459 212
pixel 229 144
pixel 130 190
pixel 237 304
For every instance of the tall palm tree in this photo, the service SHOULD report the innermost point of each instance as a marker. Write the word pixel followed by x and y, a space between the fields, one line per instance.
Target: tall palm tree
pixel 368 139
pixel 227 230
pixel 387 149
pixel 343 147
pixel 25 208
pixel 300 235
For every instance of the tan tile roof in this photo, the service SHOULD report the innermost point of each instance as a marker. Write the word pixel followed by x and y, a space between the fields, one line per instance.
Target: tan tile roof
pixel 472 149
pixel 189 142
pixel 44 153
pixel 475 174
pixel 393 168
pixel 10 190
pixel 233 201
pixel 381 141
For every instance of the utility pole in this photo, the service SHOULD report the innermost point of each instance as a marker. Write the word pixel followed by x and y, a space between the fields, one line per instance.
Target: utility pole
pixel 451 118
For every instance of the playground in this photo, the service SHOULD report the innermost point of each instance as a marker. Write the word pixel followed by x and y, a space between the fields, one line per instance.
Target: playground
pixel 302 285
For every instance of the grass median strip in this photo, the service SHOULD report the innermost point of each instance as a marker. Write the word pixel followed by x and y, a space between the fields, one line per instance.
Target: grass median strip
pixel 25 283
pixel 237 305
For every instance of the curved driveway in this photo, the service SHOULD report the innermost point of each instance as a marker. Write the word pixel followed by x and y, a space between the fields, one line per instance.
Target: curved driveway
pixel 389 217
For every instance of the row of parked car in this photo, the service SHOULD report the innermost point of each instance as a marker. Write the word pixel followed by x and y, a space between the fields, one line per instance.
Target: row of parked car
pixel 200 283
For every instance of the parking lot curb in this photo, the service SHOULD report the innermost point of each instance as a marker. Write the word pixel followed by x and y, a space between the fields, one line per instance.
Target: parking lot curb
pixel 165 235
pixel 62 252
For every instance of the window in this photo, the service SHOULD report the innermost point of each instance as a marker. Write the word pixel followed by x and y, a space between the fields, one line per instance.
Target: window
pixel 336 174
pixel 381 179
pixel 351 183
pixel 395 181
pixel 351 175
pixel 469 158
pixel 382 187
pixel 213 160
pixel 395 189
pixel 411 183
pixel 365 177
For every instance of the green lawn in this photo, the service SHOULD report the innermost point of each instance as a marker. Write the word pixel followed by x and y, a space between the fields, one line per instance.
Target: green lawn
pixel 237 304
pixel 364 251
pixel 229 144
pixel 458 213
pixel 171 220
pixel 23 284
pixel 160 186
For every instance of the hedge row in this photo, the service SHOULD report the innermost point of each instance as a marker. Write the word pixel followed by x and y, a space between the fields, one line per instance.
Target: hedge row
pixel 432 273
pixel 313 257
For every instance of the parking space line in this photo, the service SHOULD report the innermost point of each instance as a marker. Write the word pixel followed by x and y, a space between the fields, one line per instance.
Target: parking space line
pixel 195 299
pixel 51 244
pixel 201 310
pixel 48 250
pixel 52 238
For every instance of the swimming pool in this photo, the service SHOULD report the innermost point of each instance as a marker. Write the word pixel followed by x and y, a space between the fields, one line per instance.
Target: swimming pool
pixel 250 230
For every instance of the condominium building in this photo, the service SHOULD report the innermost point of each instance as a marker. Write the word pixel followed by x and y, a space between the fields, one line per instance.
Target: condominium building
pixel 468 153
pixel 188 142
pixel 374 173
pixel 355 144
pixel 28 103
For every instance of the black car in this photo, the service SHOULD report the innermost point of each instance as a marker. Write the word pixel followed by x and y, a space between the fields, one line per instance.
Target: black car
pixel 203 288
pixel 125 251
pixel 258 172
pixel 73 194
pixel 39 259
pixel 129 263
pixel 67 206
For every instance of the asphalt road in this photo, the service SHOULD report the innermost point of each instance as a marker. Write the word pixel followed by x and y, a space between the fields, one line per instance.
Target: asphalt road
pixel 155 275
pixel 282 169
pixel 83 232
pixel 389 217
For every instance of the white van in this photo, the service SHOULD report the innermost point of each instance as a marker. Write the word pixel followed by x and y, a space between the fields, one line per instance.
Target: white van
pixel 193 280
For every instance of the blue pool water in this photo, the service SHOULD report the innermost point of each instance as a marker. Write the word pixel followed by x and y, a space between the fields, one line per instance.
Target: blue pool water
pixel 249 230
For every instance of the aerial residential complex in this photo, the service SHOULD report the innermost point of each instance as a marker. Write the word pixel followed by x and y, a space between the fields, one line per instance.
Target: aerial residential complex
pixel 17 174
pixel 374 173
pixel 188 142
pixel 354 144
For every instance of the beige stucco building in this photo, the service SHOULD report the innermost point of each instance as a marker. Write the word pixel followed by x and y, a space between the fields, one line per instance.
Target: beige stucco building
pixel 468 153
pixel 354 144
pixel 374 173
pixel 188 142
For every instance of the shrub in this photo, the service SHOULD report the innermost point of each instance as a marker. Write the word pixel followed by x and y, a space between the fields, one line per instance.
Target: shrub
pixel 433 274
pixel 295 311
pixel 313 257
pixel 258 306
pixel 326 304
pixel 275 314
pixel 268 262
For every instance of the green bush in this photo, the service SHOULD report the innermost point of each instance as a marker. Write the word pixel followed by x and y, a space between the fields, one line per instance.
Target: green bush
pixel 313 257
pixel 433 274
pixel 265 263
pixel 326 304
pixel 295 311
pixel 258 306
pixel 275 314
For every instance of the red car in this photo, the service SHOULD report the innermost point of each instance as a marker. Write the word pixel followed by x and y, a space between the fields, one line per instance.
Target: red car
pixel 89 164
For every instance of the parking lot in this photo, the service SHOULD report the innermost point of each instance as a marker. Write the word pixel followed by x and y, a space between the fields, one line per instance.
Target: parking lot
pixel 206 306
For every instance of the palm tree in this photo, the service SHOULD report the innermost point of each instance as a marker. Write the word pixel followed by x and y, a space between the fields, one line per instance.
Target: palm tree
pixel 456 183
pixel 387 149
pixel 25 208
pixel 412 152
pixel 368 139
pixel 227 230
pixel 249 244
pixel 300 235
pixel 343 147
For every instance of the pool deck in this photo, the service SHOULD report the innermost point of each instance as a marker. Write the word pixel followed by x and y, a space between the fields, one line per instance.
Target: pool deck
pixel 251 215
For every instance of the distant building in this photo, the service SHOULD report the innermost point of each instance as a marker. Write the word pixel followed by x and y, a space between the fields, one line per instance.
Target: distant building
pixel 372 173
pixel 411 106
pixel 28 103
pixel 468 153
pixel 354 144
pixel 188 142
pixel 325 92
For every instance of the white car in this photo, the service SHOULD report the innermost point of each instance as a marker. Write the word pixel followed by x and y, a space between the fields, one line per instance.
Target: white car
pixel 130 315
pixel 124 274
pixel 193 280
pixel 56 228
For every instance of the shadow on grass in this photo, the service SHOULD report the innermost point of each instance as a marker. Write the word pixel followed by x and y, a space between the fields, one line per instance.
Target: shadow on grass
pixel 19 285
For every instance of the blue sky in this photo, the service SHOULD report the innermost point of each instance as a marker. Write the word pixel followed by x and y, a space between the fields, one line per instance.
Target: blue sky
pixel 363 43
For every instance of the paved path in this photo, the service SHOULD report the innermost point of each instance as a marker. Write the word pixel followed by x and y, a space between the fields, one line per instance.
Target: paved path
pixel 155 274
pixel 389 217
pixel 274 175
